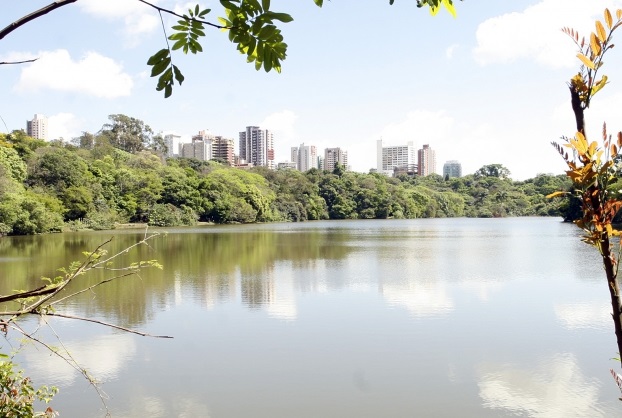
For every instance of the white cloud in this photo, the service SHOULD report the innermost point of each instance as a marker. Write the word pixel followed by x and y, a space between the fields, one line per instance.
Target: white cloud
pixel 535 33
pixel 138 18
pixel 93 75
pixel 281 122
pixel 64 125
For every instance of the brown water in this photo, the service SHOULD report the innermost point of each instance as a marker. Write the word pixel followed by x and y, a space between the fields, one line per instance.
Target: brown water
pixel 392 318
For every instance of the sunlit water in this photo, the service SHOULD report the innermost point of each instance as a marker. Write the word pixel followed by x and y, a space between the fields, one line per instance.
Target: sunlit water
pixel 430 318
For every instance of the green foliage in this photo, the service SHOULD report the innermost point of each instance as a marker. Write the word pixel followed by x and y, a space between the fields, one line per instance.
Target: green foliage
pixel 14 166
pixel 17 394
pixel 169 215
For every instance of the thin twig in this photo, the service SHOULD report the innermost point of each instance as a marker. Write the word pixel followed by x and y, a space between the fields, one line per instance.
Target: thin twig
pixel 143 334
pixel 161 9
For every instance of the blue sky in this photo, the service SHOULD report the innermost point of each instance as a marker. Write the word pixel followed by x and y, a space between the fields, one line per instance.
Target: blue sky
pixel 485 87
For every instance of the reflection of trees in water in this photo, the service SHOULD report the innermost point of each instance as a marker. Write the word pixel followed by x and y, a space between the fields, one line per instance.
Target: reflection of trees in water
pixel 209 265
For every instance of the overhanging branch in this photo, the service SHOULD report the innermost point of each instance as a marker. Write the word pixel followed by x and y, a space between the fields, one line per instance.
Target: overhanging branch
pixel 32 16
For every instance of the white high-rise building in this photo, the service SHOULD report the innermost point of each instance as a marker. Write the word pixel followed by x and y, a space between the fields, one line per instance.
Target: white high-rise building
pixel 257 147
pixel 332 156
pixel 426 160
pixel 399 156
pixel 170 140
pixel 452 168
pixel 38 127
pixel 305 157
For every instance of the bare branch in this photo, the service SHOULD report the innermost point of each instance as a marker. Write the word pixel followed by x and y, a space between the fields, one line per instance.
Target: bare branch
pixel 43 290
pixel 17 62
pixel 32 16
pixel 144 334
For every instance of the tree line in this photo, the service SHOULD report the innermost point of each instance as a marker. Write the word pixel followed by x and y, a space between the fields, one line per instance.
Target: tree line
pixel 119 175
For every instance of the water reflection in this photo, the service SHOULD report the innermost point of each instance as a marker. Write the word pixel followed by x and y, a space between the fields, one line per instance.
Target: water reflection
pixel 584 315
pixel 291 319
pixel 420 299
pixel 555 388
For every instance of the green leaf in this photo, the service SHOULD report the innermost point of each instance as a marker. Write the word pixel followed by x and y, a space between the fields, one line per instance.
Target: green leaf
pixel 176 36
pixel 283 17
pixel 168 90
pixel 178 75
pixel 319 3
pixel 160 66
pixel 178 44
pixel 157 56
pixel 265 5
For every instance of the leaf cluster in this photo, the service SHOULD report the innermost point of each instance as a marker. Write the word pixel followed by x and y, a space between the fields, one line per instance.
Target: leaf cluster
pixel 585 83
pixel 252 28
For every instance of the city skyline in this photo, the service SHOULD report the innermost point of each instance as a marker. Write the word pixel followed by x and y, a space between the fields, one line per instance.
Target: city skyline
pixel 494 78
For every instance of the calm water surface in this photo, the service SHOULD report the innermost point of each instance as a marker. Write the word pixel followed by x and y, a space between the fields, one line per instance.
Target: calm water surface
pixel 392 318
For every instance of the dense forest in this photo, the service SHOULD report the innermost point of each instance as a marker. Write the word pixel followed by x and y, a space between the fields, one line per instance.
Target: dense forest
pixel 119 176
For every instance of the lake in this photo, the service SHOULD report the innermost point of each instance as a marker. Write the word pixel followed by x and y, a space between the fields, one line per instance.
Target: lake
pixel 391 318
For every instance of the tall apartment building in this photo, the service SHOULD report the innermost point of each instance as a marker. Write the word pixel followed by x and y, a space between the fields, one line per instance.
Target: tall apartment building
pixel 223 149
pixel 257 146
pixel 332 156
pixel 390 158
pixel 305 157
pixel 452 168
pixel 170 140
pixel 426 160
pixel 200 148
pixel 38 127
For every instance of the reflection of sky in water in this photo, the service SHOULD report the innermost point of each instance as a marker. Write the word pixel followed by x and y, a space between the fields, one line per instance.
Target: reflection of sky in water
pixel 555 388
pixel 403 318
pixel 595 315
pixel 103 356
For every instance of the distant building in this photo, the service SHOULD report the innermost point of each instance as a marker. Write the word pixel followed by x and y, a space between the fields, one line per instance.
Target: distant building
pixel 426 161
pixel 223 149
pixel 305 157
pixel 170 140
pixel 257 146
pixel 452 168
pixel 390 158
pixel 286 165
pixel 38 127
pixel 332 156
pixel 200 148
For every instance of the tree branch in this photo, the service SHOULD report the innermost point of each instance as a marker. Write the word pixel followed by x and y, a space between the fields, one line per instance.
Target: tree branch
pixel 144 334
pixel 161 9
pixel 32 16
pixel 17 62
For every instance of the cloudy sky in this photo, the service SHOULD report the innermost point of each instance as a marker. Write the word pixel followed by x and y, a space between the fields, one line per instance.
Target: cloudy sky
pixel 485 87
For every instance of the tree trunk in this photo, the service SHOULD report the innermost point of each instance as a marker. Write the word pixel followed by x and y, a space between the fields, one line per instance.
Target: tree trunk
pixel 614 292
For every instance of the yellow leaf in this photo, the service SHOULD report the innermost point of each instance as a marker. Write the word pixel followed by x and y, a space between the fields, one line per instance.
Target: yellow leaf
pixel 595 45
pixel 608 18
pixel 556 194
pixel 586 61
pixel 619 14
pixel 449 7
pixel 600 31
pixel 599 85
